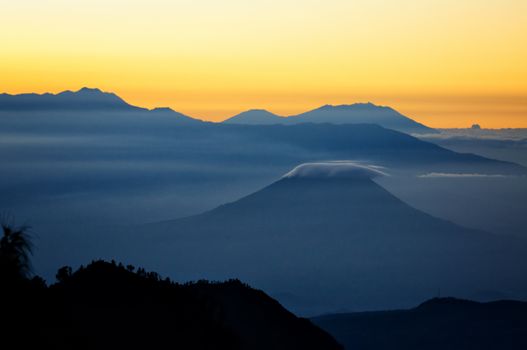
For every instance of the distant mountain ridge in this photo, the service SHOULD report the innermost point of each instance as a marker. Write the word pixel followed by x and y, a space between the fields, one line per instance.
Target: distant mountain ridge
pixel 85 100
pixel 94 99
pixel 440 323
pixel 96 112
pixel 358 113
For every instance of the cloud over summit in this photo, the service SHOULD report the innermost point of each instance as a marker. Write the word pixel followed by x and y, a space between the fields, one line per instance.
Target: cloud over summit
pixel 335 169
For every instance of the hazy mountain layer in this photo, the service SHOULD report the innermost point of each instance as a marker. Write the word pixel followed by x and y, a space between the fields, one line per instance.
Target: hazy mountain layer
pixel 74 173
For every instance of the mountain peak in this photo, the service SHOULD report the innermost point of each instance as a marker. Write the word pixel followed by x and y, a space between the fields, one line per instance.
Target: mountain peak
pixel 359 105
pixel 356 113
pixel 335 170
pixel 255 116
pixel 84 99
pixel 162 109
pixel 84 91
pixel 362 113
pixel 90 90
pixel 258 110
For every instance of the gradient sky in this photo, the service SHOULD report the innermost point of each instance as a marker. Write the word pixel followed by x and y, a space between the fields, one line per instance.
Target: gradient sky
pixel 446 63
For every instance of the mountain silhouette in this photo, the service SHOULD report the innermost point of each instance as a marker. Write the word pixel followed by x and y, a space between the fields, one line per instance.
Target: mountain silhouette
pixel 330 234
pixel 359 113
pixel 85 100
pixel 440 323
pixel 255 117
pixel 97 114
pixel 259 321
pixel 363 113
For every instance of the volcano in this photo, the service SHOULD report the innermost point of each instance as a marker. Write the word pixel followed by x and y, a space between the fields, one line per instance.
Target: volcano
pixel 327 237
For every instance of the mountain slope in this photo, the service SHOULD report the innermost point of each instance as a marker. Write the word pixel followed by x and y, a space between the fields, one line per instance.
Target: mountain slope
pixel 436 324
pixel 344 241
pixel 261 322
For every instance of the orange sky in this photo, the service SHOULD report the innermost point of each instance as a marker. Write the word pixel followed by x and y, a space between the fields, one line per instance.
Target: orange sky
pixel 445 63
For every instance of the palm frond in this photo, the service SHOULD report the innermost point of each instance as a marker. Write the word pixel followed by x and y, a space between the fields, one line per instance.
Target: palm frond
pixel 16 249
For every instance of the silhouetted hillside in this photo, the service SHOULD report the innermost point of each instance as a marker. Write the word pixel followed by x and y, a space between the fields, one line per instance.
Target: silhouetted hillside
pixel 440 324
pixel 109 306
pixel 260 321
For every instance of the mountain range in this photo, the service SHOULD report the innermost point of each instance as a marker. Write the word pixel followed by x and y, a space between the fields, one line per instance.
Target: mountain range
pixel 323 237
pixel 359 113
pixel 95 100
pixel 85 100
pixel 67 170
pixel 93 113
pixel 328 237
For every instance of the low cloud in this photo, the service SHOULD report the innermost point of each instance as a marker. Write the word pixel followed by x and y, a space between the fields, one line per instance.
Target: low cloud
pixel 336 169
pixel 462 175
pixel 477 134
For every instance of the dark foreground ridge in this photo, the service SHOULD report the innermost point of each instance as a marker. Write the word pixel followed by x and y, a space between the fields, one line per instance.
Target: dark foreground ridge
pixel 110 306
pixel 441 323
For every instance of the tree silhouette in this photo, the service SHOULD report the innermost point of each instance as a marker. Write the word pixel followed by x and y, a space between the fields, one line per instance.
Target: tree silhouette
pixel 15 250
pixel 63 274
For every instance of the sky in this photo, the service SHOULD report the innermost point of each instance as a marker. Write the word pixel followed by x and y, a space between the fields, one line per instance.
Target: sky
pixel 445 63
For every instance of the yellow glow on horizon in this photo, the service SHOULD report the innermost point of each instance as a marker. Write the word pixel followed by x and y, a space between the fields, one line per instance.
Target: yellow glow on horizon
pixel 445 63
